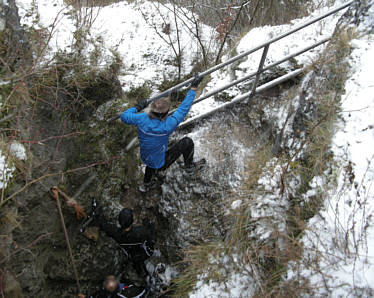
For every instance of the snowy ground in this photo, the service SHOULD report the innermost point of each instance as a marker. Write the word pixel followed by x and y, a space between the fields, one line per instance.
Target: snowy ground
pixel 237 284
pixel 343 232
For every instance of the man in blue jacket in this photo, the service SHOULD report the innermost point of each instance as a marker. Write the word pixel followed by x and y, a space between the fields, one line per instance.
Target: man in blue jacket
pixel 154 130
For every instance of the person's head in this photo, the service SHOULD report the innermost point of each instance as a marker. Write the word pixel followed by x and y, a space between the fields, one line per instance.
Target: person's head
pixel 111 283
pixel 160 108
pixel 125 218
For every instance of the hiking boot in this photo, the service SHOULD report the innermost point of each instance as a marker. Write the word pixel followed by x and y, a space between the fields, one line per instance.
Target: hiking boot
pixel 145 187
pixel 195 166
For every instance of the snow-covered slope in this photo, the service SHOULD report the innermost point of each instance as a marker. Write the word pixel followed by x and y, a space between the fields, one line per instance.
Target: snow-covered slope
pixel 341 236
pixel 338 243
pixel 138 32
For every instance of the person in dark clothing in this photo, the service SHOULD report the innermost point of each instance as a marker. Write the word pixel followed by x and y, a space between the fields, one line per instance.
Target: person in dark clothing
pixel 114 289
pixel 183 147
pixel 154 130
pixel 136 242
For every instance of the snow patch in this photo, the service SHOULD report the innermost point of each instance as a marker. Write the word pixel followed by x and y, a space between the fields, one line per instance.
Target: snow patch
pixel 6 171
pixel 236 204
pixel 236 286
pixel 18 150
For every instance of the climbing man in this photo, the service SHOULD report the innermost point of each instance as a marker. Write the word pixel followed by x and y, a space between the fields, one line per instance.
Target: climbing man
pixel 154 130
pixel 136 242
pixel 112 288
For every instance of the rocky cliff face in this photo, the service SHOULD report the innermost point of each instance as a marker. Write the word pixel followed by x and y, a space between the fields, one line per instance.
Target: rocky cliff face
pixel 17 49
pixel 14 53
pixel 34 257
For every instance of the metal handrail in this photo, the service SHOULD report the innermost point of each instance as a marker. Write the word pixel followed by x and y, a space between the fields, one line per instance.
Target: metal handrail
pixel 251 75
pixel 244 96
pixel 246 53
pixel 256 48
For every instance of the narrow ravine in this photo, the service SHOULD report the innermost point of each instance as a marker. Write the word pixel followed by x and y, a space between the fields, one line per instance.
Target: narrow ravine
pixel 234 229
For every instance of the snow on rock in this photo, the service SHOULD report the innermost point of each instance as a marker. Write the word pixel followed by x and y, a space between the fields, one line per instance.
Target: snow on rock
pixel 213 145
pixel 190 202
pixel 343 232
pixel 18 150
pixel 269 208
pixel 6 171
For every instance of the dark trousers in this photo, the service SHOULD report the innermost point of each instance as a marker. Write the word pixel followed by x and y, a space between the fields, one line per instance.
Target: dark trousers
pixel 185 146
pixel 141 268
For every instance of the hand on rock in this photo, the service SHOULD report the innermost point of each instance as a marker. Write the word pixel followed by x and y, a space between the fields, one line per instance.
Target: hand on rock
pixel 79 211
pixel 71 202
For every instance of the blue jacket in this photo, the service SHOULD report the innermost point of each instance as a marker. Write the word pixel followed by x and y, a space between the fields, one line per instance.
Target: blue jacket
pixel 154 134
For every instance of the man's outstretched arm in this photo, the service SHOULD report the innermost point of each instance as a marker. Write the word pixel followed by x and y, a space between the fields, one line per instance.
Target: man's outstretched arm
pixel 180 114
pixel 182 111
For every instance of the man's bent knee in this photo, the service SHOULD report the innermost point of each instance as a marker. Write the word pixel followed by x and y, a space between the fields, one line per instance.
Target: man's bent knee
pixel 186 142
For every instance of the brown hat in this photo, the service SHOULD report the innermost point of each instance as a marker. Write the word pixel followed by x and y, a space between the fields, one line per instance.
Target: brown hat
pixel 160 106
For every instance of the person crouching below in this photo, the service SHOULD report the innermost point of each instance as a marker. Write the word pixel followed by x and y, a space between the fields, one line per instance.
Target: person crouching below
pixel 137 242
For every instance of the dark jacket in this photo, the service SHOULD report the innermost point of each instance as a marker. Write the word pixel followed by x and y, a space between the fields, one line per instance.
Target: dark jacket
pixel 126 290
pixel 138 243
pixel 154 133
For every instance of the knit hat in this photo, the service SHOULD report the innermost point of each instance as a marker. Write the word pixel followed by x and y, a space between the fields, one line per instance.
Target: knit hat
pixel 160 106
pixel 125 218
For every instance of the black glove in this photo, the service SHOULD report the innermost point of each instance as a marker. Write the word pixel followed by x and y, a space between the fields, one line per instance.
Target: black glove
pixel 197 80
pixel 141 105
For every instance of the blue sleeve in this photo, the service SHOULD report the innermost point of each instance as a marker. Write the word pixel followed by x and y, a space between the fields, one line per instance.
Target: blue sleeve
pixel 178 116
pixel 130 116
